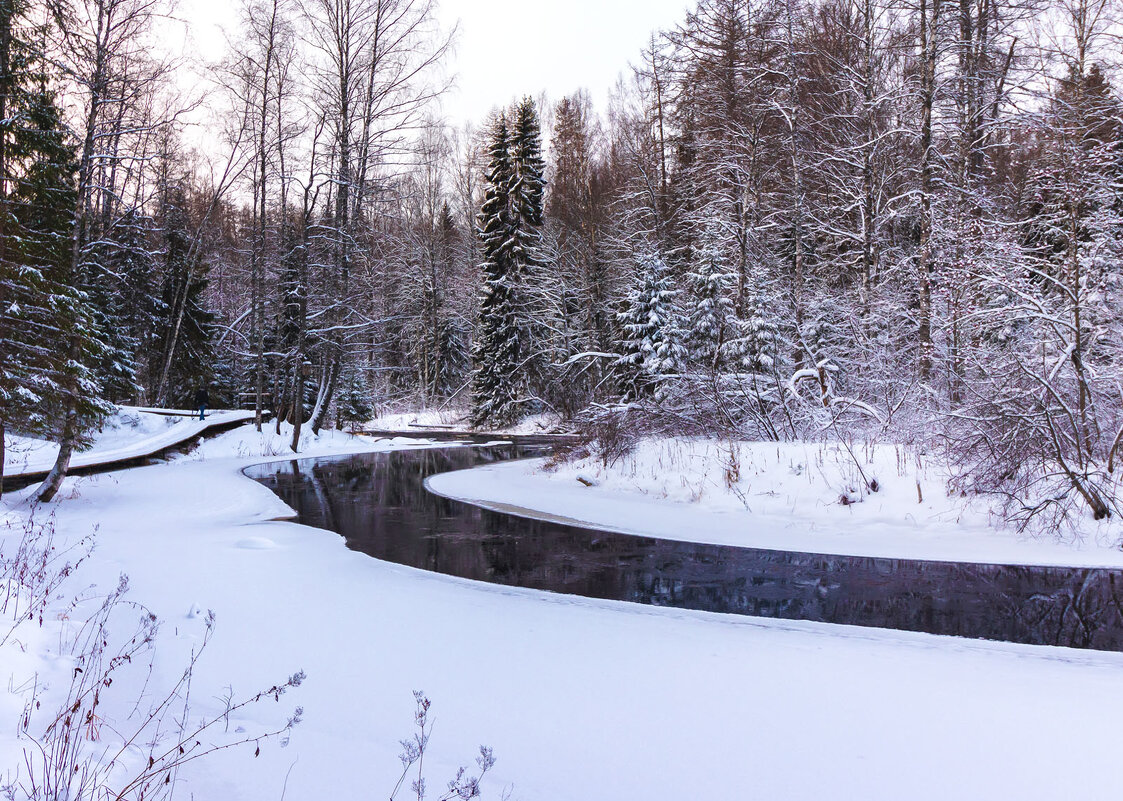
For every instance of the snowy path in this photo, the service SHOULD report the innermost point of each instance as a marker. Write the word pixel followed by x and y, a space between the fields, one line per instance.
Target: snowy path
pixel 31 457
pixel 581 699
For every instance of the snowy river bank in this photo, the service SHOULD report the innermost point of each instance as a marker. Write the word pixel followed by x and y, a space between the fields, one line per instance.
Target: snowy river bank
pixel 580 698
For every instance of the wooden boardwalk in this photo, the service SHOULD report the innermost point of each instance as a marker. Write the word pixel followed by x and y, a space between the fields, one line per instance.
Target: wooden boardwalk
pixel 135 454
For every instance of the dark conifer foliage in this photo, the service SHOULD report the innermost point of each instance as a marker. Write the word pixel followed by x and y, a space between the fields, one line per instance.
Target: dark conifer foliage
pixel 498 381
pixel 534 300
pixel 49 328
pixel 129 293
pixel 184 285
pixel 512 354
pixel 653 353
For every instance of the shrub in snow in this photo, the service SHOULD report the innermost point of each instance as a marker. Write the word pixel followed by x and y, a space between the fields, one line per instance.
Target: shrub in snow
pixel 462 786
pixel 106 729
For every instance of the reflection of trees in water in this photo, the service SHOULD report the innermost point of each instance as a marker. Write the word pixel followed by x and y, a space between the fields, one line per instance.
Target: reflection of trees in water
pixel 378 502
pixel 1083 612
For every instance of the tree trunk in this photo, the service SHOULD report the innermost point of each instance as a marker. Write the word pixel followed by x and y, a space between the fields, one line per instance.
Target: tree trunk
pixel 7 11
pixel 926 266
pixel 51 484
pixel 795 147
pixel 325 395
pixel 2 453
pixel 259 243
pixel 70 429
pixel 297 406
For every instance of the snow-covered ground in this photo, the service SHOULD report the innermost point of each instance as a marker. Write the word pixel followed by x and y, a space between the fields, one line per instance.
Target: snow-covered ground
pixel 456 419
pixel 129 433
pixel 785 496
pixel 581 699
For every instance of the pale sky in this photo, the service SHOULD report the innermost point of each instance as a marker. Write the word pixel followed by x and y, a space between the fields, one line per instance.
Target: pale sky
pixel 510 48
pixel 507 48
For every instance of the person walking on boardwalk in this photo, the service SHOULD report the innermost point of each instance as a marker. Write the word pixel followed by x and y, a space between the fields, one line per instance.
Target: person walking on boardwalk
pixel 201 400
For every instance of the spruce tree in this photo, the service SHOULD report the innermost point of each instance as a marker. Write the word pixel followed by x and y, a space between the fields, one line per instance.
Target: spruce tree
pixel 452 335
pixel 125 293
pixel 453 341
pixel 528 184
pixel 24 318
pixel 709 326
pixel 533 283
pixel 43 209
pixel 498 353
pixel 116 367
pixel 435 339
pixel 757 346
pixel 47 334
pixel 652 340
pixel 353 403
pixel 192 357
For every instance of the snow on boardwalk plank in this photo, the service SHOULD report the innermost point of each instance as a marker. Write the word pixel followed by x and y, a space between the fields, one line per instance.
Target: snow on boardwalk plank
pixel 38 458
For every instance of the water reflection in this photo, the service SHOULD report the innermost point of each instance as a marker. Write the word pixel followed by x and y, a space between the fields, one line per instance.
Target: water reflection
pixel 378 503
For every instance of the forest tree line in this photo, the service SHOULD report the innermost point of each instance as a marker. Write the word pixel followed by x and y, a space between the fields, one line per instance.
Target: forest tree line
pixel 795 219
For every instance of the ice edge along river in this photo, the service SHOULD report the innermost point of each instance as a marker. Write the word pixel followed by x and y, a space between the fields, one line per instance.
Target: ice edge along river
pixel 580 699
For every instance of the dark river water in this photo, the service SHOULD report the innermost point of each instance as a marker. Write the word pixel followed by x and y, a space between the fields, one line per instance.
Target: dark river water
pixel 378 503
